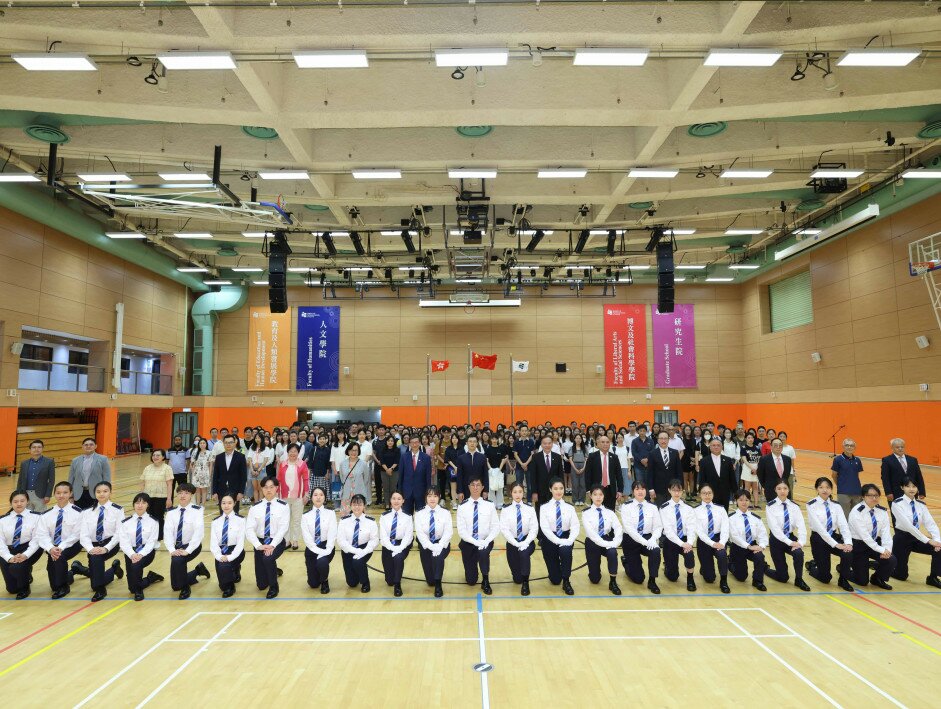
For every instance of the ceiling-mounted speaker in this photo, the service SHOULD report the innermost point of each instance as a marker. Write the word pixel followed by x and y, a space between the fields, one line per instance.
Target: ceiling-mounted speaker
pixel 278 251
pixel 921 341
pixel 815 357
pixel 665 284
pixel 16 348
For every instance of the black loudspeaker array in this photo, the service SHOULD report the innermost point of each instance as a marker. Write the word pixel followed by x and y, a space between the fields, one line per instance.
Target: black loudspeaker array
pixel 665 290
pixel 278 251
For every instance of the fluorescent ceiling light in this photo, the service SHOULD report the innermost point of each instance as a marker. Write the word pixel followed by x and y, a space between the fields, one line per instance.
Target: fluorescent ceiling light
pixel 679 280
pixel 358 268
pixel 572 173
pixel 878 57
pixel 610 56
pixel 690 267
pixel 505 303
pixel 680 232
pixel 185 177
pixel 256 234
pixel 717 279
pixel 22 177
pixel 652 172
pixel 217 283
pixel 331 233
pixel 532 232
pixel 377 174
pixel 284 175
pixel 192 269
pixel 55 62
pixel 300 269
pixel 744 232
pixel 467 280
pixel 397 233
pixel 332 59
pixel 744 266
pixel 260 283
pixel 196 60
pixel 412 268
pixel 742 57
pixel 193 235
pixel 640 267
pixel 247 269
pixel 124 235
pixel 746 172
pixel 808 232
pixel 481 173
pixel 836 173
pixel 922 174
pixel 488 56
pixel 104 177
pixel 870 212
pixel 603 232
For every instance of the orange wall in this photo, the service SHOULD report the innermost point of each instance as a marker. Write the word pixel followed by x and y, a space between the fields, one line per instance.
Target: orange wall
pixel 157 424
pixel 8 416
pixel 107 431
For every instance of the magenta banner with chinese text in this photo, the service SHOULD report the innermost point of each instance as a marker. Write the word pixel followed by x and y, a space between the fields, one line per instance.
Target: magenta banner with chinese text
pixel 674 348
pixel 625 346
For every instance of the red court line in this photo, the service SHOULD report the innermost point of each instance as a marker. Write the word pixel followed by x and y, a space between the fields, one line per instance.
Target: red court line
pixel 45 627
pixel 889 610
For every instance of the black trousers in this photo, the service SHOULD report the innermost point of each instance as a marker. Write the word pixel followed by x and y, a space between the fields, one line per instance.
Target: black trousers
pixel 228 573
pixel 822 553
pixel 266 567
pixel 779 553
pixel 355 570
pixel 671 559
pixel 519 562
pixel 157 509
pixel 177 479
pixel 101 574
pixel 903 545
pixel 377 477
pixel 16 576
pixel 593 554
pixel 862 553
pixel 136 580
pixel 86 500
pixel 413 504
pixel 58 570
pixel 738 564
pixel 558 560
pixel 632 563
pixel 180 578
pixel 709 557
pixel 474 558
pixel 318 567
pixel 433 566
pixel 394 566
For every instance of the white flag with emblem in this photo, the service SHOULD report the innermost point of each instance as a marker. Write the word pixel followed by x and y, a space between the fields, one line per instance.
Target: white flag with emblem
pixel 520 366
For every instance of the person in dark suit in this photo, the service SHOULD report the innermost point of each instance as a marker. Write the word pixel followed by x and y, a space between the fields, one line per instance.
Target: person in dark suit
pixel 895 468
pixel 471 465
pixel 544 466
pixel 718 471
pixel 663 465
pixel 229 472
pixel 37 477
pixel 603 468
pixel 415 467
pixel 772 469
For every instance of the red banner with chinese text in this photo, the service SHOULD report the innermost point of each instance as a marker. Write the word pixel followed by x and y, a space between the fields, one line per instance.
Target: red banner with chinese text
pixel 625 346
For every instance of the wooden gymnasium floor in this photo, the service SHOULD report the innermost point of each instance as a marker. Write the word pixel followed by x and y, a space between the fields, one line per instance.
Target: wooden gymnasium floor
pixel 782 648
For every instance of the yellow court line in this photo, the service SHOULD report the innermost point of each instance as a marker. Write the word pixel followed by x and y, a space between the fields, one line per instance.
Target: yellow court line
pixel 63 638
pixel 884 625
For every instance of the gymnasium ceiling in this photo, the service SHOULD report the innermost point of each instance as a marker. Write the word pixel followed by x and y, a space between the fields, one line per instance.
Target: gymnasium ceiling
pixel 403 111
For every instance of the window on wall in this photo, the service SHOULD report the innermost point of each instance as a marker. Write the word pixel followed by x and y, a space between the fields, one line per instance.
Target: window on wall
pixel 790 302
pixel 78 358
pixel 38 353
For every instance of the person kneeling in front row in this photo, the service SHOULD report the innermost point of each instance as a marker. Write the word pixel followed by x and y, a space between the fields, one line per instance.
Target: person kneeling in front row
pixel 183 530
pixel 477 527
pixel 829 535
pixel 357 537
pixel 872 539
pixel 434 531
pixel 558 523
pixel 227 544
pixel 138 535
pixel 642 530
pixel 788 536
pixel 19 545
pixel 319 529
pixel 712 530
pixel 267 525
pixel 679 536
pixel 911 514
pixel 520 527
pixel 395 536
pixel 603 536
pixel 749 540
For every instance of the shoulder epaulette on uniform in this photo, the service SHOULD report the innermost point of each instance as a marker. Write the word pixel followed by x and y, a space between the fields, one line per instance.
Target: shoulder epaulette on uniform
pixel 347 516
pixel 368 517
pixel 665 504
pixel 126 519
pixel 197 507
pixel 771 502
pixel 217 516
pixel 282 502
pixel 922 502
pixel 880 507
pixel 387 512
pixel 32 512
pixel 810 502
pixel 260 502
pixel 735 512
pixel 466 499
pixel 77 508
pixel 115 504
pixel 170 509
pixel 861 506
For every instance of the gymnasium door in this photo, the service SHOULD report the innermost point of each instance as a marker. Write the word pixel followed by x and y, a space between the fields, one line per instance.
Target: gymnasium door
pixel 186 425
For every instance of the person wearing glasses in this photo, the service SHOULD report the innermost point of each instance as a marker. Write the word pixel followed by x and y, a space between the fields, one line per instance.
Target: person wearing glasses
pixel 911 514
pixel 477 527
pixel 872 539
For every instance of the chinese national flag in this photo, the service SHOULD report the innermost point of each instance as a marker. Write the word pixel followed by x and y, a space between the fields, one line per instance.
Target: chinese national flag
pixel 483 361
pixel 439 365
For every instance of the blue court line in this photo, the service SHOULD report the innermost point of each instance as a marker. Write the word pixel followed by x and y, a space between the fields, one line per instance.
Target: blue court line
pixel 480 603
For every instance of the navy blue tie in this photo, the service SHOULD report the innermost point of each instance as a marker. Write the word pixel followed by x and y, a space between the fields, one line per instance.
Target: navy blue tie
pixel 711 530
pixel 679 521
pixel 268 524
pixel 225 535
pixel 57 536
pixel 640 518
pixel 356 534
pixel 748 535
pixel 179 529
pixel 18 530
pixel 317 527
pixel 558 518
pixel 100 527
pixel 875 526
pixel 600 523
pixel 787 522
pixel 914 516
pixel 475 531
pixel 139 538
pixel 395 525
pixel 826 508
pixel 431 526
pixel 519 522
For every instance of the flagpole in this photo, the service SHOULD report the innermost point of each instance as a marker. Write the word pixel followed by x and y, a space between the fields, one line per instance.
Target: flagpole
pixel 512 419
pixel 428 391
pixel 469 368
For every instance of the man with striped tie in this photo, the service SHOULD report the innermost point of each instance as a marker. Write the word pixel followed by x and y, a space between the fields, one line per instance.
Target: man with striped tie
pixel 183 532
pixel 267 525
pixel 99 537
pixel 59 532
pixel 477 527
pixel 872 539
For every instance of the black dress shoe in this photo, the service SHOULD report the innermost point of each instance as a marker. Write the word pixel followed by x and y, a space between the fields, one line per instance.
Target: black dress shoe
pixel 760 586
pixel 22 594
pixel 724 586
pixel 845 585
pixel 933 581
pixel 802 585
pixel 201 570
pixel 273 593
pixel 99 596
pixel 280 573
pixel 439 592
pixel 397 591
pixel 154 577
pixel 325 588
pixel 690 584
pixel 811 567
pixel 237 579
pixel 654 588
pixel 615 589
pixel 524 591
pixel 876 581
pixel 79 570
pixel 118 571
pixel 139 596
pixel 366 587
pixel 485 587
pixel 184 594
pixel 228 593
pixel 61 593
pixel 567 587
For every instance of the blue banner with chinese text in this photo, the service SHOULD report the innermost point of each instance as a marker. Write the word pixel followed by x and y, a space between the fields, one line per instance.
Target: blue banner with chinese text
pixel 318 348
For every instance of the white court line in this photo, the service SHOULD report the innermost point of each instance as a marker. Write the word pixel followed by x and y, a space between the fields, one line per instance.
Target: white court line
pixel 786 665
pixel 484 681
pixel 548 638
pixel 216 641
pixel 120 674
pixel 187 663
pixel 627 610
pixel 5 615
pixel 337 612
pixel 836 661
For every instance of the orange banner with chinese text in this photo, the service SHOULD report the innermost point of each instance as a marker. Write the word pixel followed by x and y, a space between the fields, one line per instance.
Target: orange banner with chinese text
pixel 269 348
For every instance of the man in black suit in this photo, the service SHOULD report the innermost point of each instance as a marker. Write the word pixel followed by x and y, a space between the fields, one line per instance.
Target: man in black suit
pixel 718 471
pixel 663 465
pixel 898 466
pixel 471 465
pixel 603 468
pixel 229 472
pixel 772 469
pixel 544 465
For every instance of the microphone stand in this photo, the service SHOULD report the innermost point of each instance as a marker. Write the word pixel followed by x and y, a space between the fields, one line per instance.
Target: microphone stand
pixel 833 438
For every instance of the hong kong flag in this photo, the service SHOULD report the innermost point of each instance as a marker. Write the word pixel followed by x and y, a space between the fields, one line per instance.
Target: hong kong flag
pixel 439 365
pixel 483 361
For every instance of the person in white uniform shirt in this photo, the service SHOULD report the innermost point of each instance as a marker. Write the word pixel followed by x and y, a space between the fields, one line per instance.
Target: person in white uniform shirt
pixel 749 540
pixel 138 540
pixel 319 529
pixel 558 523
pixel 227 544
pixel 603 535
pixel 395 535
pixel 712 532
pixel 59 529
pixel 434 530
pixel 99 538
pixel 788 536
pixel 829 535
pixel 357 537
pixel 183 531
pixel 911 514
pixel 679 536
pixel 872 539
pixel 519 527
pixel 642 530
pixel 477 527
pixel 19 545
pixel 267 525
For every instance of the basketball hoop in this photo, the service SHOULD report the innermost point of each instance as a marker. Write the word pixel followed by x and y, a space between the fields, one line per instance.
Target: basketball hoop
pixel 920 268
